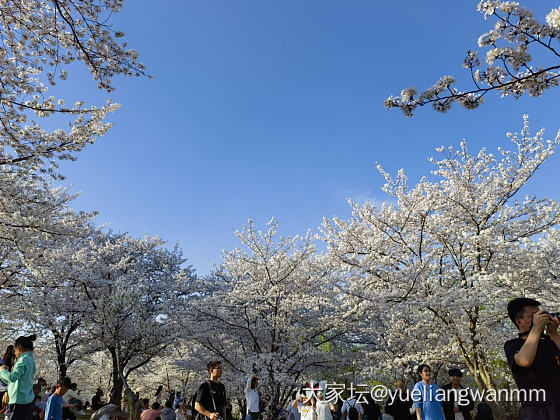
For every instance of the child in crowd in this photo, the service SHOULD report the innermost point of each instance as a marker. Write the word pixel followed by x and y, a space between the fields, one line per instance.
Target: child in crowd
pixel 53 410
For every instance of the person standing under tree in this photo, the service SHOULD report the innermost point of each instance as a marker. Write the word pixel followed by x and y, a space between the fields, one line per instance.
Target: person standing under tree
pixel 352 409
pixel 211 395
pixel 456 406
pixel 53 410
pixel 428 407
pixel 293 413
pixel 20 381
pixel 372 411
pixel 323 408
pixel 252 398
pixel 8 360
pixel 399 405
pixel 151 413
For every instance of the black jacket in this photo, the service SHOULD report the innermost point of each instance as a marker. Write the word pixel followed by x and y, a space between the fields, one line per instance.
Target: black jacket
pixel 449 404
pixel 400 408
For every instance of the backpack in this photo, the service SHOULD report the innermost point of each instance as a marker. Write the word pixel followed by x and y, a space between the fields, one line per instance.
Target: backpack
pixel 353 413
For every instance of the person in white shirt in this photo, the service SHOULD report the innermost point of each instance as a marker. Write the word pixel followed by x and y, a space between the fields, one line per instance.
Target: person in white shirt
pixel 348 404
pixel 43 394
pixel 306 407
pixel 72 396
pixel 323 408
pixel 252 398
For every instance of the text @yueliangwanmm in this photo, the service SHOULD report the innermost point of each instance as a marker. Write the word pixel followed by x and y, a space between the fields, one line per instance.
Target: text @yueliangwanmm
pixel 381 393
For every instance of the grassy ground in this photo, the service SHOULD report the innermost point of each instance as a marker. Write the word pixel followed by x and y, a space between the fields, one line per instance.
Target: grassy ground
pixel 86 416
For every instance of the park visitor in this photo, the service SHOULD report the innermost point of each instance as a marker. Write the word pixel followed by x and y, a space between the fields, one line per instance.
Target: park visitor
pixel 425 396
pixel 534 357
pixel 211 394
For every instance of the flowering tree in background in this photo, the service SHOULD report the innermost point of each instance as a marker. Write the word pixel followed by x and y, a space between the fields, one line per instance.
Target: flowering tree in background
pixel 270 309
pixel 58 304
pixel 184 376
pixel 40 40
pixel 34 216
pixel 509 68
pixel 450 252
pixel 546 267
pixel 133 286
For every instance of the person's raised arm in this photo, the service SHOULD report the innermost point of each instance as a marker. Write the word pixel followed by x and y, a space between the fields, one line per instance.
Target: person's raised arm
pixel 248 385
pixel 552 330
pixel 526 354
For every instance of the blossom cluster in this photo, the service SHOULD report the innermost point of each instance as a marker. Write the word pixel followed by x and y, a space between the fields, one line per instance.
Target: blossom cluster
pixel 509 69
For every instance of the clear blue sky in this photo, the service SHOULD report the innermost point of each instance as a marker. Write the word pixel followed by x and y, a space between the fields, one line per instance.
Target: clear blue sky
pixel 275 108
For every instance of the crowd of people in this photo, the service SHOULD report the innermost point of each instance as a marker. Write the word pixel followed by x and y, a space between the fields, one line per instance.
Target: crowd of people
pixel 306 406
pixel 534 359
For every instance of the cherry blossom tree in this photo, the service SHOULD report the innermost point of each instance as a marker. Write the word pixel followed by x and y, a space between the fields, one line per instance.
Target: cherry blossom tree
pixel 270 308
pixel 33 216
pixel 178 368
pixel 445 257
pixel 40 42
pixel 509 68
pixel 57 305
pixel 134 287
pixel 546 267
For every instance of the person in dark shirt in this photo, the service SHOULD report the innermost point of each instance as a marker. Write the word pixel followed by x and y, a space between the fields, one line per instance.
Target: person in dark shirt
pixel 534 359
pixel 372 411
pixel 96 402
pixel 211 395
pixel 460 403
pixel 399 408
pixel 484 412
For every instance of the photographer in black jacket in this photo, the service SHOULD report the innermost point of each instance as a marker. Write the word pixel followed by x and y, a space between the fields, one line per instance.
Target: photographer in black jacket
pixel 534 358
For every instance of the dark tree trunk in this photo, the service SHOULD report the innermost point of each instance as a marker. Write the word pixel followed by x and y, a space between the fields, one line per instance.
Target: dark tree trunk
pixel 117 388
pixel 134 405
pixel 60 346
pixel 62 369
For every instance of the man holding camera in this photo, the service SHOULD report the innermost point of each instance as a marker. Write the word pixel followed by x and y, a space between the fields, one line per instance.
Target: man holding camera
pixel 211 395
pixel 534 358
